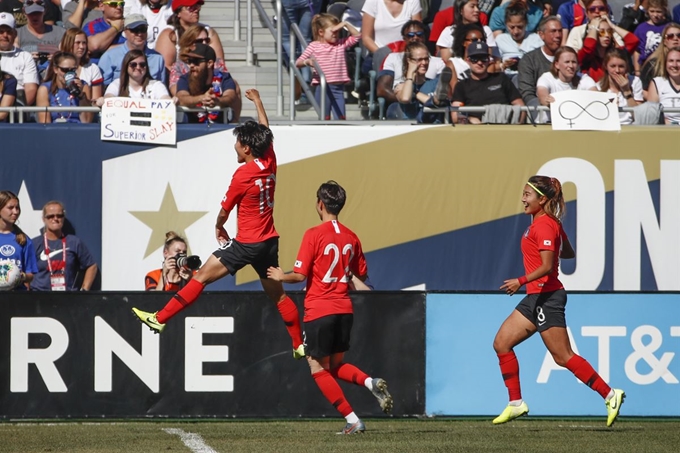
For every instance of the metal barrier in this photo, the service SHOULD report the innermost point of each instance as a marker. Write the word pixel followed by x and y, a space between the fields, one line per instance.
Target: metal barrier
pixel 296 73
pixel 20 110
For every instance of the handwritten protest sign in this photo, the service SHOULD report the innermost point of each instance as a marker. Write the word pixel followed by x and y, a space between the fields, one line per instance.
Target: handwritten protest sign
pixel 578 110
pixel 139 120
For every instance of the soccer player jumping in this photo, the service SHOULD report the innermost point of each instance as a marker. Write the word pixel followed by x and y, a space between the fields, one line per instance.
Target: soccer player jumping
pixel 542 310
pixel 330 259
pixel 256 243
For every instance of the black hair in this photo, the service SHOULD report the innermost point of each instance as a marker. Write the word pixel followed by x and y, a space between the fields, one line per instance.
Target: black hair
pixel 333 196
pixel 257 137
pixel 414 23
pixel 459 34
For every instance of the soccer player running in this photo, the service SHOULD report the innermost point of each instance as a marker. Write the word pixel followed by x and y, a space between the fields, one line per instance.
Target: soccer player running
pixel 330 259
pixel 543 243
pixel 257 242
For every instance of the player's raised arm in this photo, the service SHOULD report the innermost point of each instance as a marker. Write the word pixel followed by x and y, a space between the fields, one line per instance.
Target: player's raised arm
pixel 253 95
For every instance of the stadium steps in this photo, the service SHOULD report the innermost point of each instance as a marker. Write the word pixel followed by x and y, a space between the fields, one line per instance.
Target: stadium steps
pixel 219 14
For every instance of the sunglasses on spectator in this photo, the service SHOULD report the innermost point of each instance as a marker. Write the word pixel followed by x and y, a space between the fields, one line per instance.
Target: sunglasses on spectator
pixel 672 35
pixel 607 32
pixel 134 64
pixel 205 41
pixel 195 61
pixel 420 60
pixel 115 4
pixel 139 30
pixel 597 9
pixel 54 216
pixel 67 69
pixel 476 59
pixel 413 34
pixel 472 39
pixel 34 2
pixel 193 9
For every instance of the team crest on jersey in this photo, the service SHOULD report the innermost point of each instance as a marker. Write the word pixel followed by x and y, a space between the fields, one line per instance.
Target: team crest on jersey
pixel 7 250
pixel 298 263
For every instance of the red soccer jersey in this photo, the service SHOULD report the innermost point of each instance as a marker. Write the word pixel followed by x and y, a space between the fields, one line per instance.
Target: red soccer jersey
pixel 328 253
pixel 252 189
pixel 544 234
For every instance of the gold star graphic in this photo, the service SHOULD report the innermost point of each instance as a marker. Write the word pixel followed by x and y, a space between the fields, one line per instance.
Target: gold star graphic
pixel 167 218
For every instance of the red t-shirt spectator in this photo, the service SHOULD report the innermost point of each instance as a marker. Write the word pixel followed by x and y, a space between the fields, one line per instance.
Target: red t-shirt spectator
pixel 591 63
pixel 444 18
pixel 327 254
pixel 252 189
pixel 544 234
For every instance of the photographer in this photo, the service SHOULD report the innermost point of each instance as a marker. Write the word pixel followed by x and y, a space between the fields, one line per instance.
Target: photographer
pixel 63 88
pixel 171 277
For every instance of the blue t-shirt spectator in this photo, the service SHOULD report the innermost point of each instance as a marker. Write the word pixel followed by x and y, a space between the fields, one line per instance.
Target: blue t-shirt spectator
pixel 62 98
pixel 676 14
pixel 9 88
pixel 110 63
pixel 78 259
pixel 23 255
pixel 227 83
pixel 534 16
pixel 98 26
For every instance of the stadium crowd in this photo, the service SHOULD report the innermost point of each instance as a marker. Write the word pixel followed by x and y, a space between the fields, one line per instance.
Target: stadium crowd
pixel 497 54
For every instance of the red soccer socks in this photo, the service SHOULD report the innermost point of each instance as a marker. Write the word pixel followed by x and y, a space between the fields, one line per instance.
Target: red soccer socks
pixel 349 373
pixel 185 297
pixel 332 391
pixel 510 371
pixel 291 318
pixel 587 374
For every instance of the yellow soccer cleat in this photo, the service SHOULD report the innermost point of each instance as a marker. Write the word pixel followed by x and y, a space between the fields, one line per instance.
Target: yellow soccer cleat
pixel 149 319
pixel 614 406
pixel 300 352
pixel 511 412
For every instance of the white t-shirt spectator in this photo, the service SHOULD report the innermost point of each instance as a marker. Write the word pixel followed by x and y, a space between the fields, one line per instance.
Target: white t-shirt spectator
pixel 395 62
pixel 668 97
pixel 91 75
pixel 154 90
pixel 636 86
pixel 555 85
pixel 462 67
pixel 157 21
pixel 387 27
pixel 508 47
pixel 21 65
pixel 446 37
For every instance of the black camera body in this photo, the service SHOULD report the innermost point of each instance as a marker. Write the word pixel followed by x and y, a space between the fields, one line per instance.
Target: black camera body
pixel 191 262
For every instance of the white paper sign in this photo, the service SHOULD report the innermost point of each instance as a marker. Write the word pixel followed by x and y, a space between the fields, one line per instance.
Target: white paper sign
pixel 579 110
pixel 139 120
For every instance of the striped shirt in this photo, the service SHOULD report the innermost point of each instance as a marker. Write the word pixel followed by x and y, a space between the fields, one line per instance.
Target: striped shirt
pixel 331 59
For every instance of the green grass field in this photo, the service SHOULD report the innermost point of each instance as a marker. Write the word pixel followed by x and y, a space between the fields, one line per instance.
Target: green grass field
pixel 407 435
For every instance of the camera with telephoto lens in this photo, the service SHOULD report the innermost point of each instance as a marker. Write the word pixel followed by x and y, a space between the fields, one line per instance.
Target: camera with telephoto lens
pixel 191 262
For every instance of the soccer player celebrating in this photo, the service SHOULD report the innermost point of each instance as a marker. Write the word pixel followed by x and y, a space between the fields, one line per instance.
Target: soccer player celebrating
pixel 543 244
pixel 256 243
pixel 330 258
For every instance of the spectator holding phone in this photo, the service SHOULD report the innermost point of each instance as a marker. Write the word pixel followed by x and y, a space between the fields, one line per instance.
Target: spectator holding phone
pixel 63 88
pixel 515 42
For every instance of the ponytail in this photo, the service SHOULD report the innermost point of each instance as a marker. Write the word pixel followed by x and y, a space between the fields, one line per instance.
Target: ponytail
pixel 551 188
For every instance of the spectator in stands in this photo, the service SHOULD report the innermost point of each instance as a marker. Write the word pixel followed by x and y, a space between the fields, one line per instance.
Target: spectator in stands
pixel 598 41
pixel 8 93
pixel 466 12
pixel 13 241
pixel 298 12
pixel 107 31
pixel 515 42
pixel 666 87
pixel 157 14
pixel 464 36
pixel 76 14
pixel 135 32
pixel 676 14
pixel 382 21
pixel 392 73
pixel 618 80
pixel 185 14
pixel 594 9
pixel 649 33
pixel 572 13
pixel 56 92
pixel 483 88
pixel 417 91
pixel 204 87
pixel 75 42
pixel 446 17
pixel 169 277
pixel 534 17
pixel 36 37
pixel 17 62
pixel 633 15
pixel 60 256
pixel 329 52
pixel 563 76
pixel 538 61
pixel 655 64
pixel 135 81
pixel 15 9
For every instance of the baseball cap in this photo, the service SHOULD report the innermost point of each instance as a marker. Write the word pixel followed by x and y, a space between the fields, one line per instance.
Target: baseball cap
pixel 477 48
pixel 133 21
pixel 34 8
pixel 177 4
pixel 7 19
pixel 201 51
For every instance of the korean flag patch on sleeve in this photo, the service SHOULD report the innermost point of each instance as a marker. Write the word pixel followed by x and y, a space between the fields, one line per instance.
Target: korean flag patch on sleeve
pixel 298 263
pixel 547 242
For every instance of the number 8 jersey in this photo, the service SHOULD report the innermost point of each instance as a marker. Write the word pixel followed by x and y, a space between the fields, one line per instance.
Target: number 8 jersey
pixel 252 189
pixel 328 253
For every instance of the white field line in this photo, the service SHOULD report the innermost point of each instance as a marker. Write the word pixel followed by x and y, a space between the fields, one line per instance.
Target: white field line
pixel 193 441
